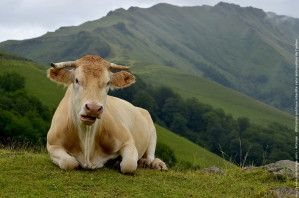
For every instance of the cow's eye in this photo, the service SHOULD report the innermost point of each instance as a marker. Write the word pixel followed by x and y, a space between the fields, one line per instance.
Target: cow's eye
pixel 108 82
pixel 77 81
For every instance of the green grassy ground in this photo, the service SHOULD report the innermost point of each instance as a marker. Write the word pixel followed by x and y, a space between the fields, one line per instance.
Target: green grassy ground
pixel 27 174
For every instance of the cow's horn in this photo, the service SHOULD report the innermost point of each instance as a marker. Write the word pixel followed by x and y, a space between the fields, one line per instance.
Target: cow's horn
pixel 118 67
pixel 64 64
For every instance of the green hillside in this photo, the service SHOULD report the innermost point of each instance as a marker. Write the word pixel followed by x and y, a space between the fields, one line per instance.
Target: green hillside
pixel 40 86
pixel 190 86
pixel 37 83
pixel 245 49
pixel 187 151
pixel 209 92
pixel 27 174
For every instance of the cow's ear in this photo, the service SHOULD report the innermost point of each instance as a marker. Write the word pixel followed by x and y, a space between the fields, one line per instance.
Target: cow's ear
pixel 62 76
pixel 121 79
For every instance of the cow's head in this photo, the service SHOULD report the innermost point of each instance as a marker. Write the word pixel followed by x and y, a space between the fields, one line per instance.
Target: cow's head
pixel 90 78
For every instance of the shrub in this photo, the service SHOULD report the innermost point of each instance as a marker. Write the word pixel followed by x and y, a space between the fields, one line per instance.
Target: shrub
pixel 166 154
pixel 12 81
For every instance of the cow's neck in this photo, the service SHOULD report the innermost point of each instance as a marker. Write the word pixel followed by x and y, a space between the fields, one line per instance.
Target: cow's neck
pixel 87 137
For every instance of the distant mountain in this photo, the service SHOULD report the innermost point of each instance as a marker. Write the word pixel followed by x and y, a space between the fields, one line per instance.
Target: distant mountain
pixel 245 49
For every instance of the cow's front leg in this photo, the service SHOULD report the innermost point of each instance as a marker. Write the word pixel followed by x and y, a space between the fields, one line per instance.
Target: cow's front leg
pixel 61 158
pixel 129 156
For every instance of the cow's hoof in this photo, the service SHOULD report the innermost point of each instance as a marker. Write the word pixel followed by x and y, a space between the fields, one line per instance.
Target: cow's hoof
pixel 158 164
pixel 128 167
pixel 144 163
pixel 68 164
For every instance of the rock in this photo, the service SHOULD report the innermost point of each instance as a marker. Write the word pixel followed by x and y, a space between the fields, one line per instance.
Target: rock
pixel 250 168
pixel 284 192
pixel 283 168
pixel 213 169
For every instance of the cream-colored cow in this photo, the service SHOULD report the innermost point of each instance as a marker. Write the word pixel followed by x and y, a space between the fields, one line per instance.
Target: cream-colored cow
pixel 89 127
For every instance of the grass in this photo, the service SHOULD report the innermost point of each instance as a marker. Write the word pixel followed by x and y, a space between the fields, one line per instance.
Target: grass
pixel 27 174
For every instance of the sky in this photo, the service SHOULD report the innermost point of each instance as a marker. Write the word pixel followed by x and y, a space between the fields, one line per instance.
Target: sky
pixel 24 19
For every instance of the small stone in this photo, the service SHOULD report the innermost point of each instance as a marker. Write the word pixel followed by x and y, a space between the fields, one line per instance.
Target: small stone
pixel 284 191
pixel 283 168
pixel 248 168
pixel 213 169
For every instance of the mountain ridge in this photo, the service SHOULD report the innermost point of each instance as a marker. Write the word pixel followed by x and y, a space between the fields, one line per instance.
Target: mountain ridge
pixel 234 46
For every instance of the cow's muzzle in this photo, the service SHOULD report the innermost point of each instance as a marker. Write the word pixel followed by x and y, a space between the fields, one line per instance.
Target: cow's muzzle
pixel 92 112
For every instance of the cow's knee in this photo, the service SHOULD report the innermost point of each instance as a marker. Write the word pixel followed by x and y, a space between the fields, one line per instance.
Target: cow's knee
pixel 68 163
pixel 129 159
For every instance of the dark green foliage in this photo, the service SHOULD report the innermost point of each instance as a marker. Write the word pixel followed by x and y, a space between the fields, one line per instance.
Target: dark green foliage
pixel 244 123
pixel 22 117
pixel 167 154
pixel 11 82
pixel 238 139
pixel 178 124
pixel 146 101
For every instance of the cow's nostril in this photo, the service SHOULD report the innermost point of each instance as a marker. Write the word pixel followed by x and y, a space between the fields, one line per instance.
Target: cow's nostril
pixel 86 106
pixel 100 108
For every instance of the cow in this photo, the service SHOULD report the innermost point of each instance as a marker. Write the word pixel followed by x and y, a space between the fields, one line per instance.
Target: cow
pixel 89 127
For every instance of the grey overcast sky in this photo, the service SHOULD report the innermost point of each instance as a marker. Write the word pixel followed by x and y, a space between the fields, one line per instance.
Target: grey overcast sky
pixel 23 19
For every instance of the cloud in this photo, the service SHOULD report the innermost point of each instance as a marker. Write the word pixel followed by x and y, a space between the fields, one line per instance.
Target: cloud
pixel 21 32
pixel 29 18
pixel 22 19
pixel 280 7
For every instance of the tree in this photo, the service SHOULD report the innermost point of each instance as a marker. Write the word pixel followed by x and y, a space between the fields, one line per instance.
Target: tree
pixel 179 124
pixel 22 117
pixel 162 94
pixel 12 81
pixel 193 113
pixel 144 100
pixel 166 153
pixel 171 106
pixel 244 123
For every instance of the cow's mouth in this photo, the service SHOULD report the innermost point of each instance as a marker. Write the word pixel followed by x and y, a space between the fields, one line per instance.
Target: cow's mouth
pixel 88 119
